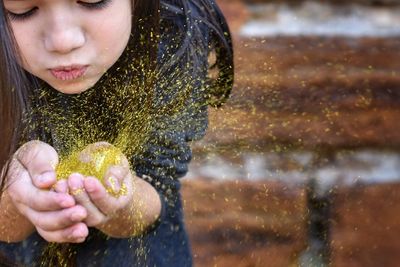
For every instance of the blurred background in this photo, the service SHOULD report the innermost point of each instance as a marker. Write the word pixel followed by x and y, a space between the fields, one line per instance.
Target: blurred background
pixel 301 167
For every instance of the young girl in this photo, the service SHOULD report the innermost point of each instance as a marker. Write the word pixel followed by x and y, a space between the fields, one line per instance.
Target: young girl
pixel 71 73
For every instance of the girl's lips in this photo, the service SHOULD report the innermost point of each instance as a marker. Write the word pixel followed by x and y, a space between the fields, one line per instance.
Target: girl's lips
pixel 68 72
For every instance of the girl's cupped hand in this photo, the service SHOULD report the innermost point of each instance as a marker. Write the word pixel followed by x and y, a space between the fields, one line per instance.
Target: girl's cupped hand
pixel 56 215
pixel 102 201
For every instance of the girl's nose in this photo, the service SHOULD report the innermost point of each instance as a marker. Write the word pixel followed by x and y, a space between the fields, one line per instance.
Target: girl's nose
pixel 63 37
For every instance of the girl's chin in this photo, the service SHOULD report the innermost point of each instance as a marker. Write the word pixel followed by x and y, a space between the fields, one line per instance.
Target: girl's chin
pixel 71 88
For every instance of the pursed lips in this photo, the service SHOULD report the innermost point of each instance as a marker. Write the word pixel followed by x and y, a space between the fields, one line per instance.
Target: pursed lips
pixel 71 72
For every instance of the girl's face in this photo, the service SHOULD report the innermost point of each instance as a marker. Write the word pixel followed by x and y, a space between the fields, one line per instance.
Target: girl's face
pixel 68 43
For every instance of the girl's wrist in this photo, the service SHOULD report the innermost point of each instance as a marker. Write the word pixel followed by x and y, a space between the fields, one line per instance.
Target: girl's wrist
pixel 15 226
pixel 141 213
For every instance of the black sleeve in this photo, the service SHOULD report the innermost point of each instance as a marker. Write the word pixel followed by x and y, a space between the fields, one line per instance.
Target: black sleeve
pixel 165 160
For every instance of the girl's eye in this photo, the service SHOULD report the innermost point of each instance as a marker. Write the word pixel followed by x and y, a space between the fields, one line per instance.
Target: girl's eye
pixel 22 16
pixel 95 5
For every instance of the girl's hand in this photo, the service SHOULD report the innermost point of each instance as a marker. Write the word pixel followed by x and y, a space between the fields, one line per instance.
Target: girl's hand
pixel 103 202
pixel 31 175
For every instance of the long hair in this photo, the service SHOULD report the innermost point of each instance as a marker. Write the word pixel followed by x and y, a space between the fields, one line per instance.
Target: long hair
pixel 14 89
pixel 194 43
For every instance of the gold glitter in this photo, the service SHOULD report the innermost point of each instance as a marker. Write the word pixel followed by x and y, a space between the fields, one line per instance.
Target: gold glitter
pixel 123 191
pixel 112 182
pixel 77 191
pixel 93 162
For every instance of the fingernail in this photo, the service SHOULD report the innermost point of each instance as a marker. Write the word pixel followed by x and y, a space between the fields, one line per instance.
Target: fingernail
pixel 77 216
pixel 66 201
pixel 77 233
pixel 90 184
pixel 113 184
pixel 61 186
pixel 47 177
pixel 75 182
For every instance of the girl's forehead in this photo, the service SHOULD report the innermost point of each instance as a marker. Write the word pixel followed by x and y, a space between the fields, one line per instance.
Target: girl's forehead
pixel 42 1
pixel 25 0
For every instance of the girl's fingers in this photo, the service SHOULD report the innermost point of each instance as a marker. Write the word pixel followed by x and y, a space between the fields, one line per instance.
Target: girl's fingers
pixel 61 186
pixel 76 233
pixel 39 159
pixel 23 191
pixel 77 189
pixel 100 197
pixel 43 200
pixel 57 220
pixel 106 202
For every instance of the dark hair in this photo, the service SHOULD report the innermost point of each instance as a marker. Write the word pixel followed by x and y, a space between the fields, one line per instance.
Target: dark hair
pixel 14 87
pixel 150 20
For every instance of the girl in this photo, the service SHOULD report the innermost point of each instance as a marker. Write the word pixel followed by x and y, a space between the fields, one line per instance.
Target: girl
pixel 94 68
